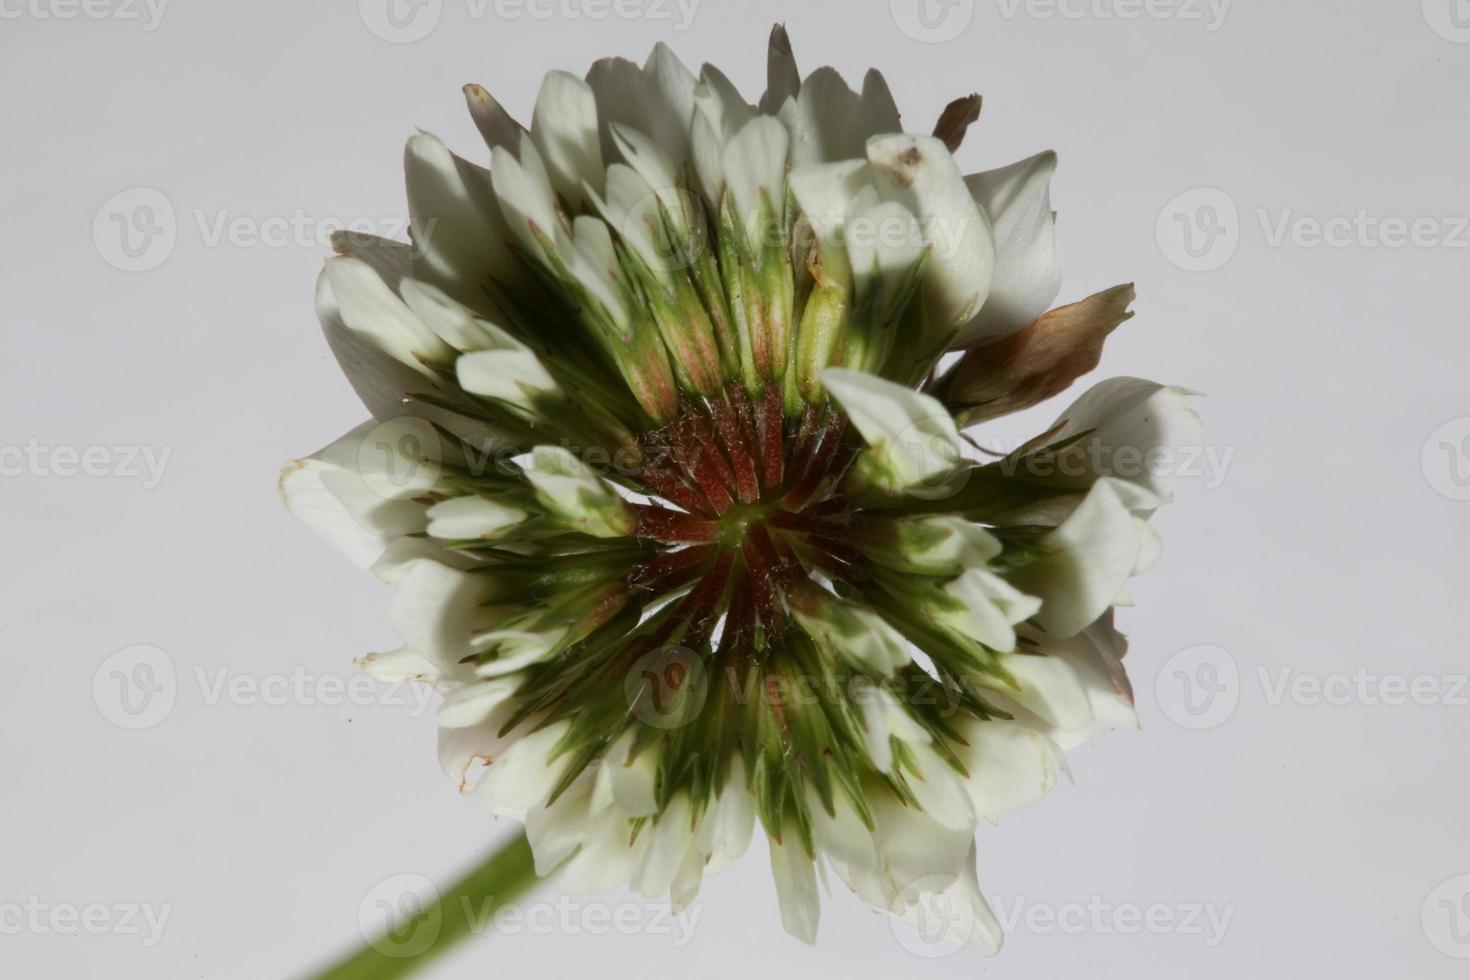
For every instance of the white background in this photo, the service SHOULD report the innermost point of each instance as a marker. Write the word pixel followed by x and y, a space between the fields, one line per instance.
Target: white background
pixel 1331 540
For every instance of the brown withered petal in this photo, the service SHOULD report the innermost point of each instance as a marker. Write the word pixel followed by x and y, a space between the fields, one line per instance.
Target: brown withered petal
pixel 956 119
pixel 1038 362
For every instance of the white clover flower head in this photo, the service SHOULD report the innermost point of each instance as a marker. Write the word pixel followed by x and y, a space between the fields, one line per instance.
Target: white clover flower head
pixel 675 496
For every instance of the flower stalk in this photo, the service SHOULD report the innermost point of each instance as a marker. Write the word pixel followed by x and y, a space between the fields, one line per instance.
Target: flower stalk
pixel 459 911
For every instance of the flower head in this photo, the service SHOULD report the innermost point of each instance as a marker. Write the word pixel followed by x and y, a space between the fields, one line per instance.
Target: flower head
pixel 667 469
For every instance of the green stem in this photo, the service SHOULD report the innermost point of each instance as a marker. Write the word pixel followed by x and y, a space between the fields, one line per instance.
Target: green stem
pixel 461 909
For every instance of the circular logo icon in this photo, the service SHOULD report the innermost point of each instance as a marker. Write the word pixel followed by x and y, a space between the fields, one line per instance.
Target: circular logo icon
pixel 667 688
pixel 135 688
pixel 400 21
pixel 645 223
pixel 1446 459
pixel 932 21
pixel 400 458
pixel 400 915
pixel 1199 230
pixel 932 919
pixel 1446 917
pixel 135 230
pixel 1198 688
pixel 1450 19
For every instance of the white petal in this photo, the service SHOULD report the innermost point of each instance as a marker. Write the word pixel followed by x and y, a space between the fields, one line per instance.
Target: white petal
pixel 327 493
pixel 825 191
pixel 1050 689
pixel 727 828
pixel 918 172
pixel 512 375
pixel 1140 432
pixel 472 516
pixel 630 784
pixel 373 311
pixel 474 703
pixel 796 886
pixel 457 325
pixel 940 790
pixel 1010 765
pixel 672 838
pixel 957 915
pixel 398 665
pixel 841 835
pixel 594 263
pixel 991 608
pixel 1028 273
pixel 914 845
pixel 754 163
pixel 657 99
pixel 829 121
pixel 564 126
pixel 783 81
pixel 435 610
pixel 719 113
pixel 524 775
pixel 883 243
pixel 525 195
pixel 1087 561
pixel 458 234
pixel 568 488
pixel 493 122
pixel 911 434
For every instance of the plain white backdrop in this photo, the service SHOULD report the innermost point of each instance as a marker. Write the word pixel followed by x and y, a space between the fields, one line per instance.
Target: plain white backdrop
pixel 1285 182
